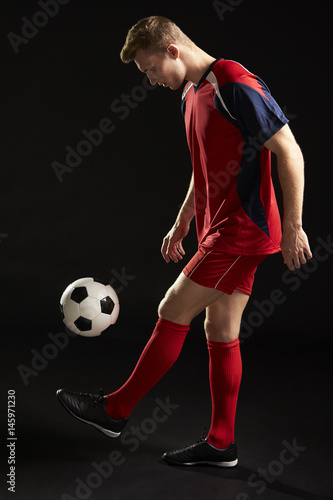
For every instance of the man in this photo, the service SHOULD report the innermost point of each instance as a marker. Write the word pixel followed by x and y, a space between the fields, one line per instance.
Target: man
pixel 232 124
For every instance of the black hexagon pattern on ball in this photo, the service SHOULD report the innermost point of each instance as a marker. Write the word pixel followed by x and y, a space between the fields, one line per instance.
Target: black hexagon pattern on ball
pixel 79 294
pixel 83 324
pixel 107 305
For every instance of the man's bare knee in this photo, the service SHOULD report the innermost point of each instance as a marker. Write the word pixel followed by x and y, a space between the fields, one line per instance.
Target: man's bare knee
pixel 163 309
pixel 218 332
pixel 170 309
pixel 223 317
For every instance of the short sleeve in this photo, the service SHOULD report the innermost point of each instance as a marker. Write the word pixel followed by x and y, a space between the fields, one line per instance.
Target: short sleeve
pixel 255 112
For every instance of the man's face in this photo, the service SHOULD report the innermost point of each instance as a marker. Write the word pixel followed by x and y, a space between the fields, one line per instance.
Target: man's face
pixel 164 69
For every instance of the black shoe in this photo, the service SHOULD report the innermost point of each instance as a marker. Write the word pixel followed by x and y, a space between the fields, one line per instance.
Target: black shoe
pixel 91 409
pixel 203 453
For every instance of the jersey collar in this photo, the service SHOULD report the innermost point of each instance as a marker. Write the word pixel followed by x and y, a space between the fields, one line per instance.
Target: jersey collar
pixel 196 87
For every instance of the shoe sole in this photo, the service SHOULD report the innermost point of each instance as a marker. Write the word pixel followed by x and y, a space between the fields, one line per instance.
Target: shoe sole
pixel 106 432
pixel 218 464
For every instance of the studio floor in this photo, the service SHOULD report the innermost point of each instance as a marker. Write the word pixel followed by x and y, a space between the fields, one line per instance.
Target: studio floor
pixel 283 427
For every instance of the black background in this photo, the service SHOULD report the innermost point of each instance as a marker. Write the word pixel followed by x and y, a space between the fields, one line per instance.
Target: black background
pixel 107 218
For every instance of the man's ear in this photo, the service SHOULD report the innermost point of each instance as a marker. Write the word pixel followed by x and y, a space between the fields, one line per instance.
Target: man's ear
pixel 173 51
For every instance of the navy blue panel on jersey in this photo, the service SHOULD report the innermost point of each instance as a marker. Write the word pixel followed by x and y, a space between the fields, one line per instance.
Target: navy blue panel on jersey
pixel 183 107
pixel 248 189
pixel 256 114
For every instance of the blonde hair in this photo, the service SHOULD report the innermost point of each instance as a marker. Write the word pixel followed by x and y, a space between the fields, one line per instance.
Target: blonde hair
pixel 153 35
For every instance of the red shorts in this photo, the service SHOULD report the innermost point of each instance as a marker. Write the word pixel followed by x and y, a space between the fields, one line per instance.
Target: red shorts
pixel 223 271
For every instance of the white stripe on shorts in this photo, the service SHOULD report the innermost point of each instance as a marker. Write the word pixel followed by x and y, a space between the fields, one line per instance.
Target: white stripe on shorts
pixel 227 270
pixel 203 258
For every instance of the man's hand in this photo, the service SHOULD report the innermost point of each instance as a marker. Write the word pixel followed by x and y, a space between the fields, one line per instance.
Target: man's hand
pixel 295 247
pixel 172 248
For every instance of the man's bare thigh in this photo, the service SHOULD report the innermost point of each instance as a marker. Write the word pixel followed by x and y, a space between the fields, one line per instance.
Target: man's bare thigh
pixel 185 299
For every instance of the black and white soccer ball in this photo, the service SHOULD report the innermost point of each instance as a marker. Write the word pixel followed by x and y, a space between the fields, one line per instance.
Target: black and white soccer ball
pixel 88 307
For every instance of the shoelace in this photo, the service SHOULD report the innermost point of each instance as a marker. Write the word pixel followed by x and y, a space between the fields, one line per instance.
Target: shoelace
pixel 203 435
pixel 100 397
pixel 202 438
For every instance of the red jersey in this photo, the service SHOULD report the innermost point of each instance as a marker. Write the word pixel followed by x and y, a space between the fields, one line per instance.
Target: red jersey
pixel 228 116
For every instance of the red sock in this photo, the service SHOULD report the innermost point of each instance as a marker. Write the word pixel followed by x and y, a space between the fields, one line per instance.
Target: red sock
pixel 225 373
pixel 158 356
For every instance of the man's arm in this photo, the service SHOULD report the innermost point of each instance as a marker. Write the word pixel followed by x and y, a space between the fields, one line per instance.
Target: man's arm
pixel 172 244
pixel 294 245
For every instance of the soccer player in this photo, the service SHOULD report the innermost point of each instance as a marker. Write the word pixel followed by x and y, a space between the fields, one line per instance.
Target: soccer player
pixel 232 125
